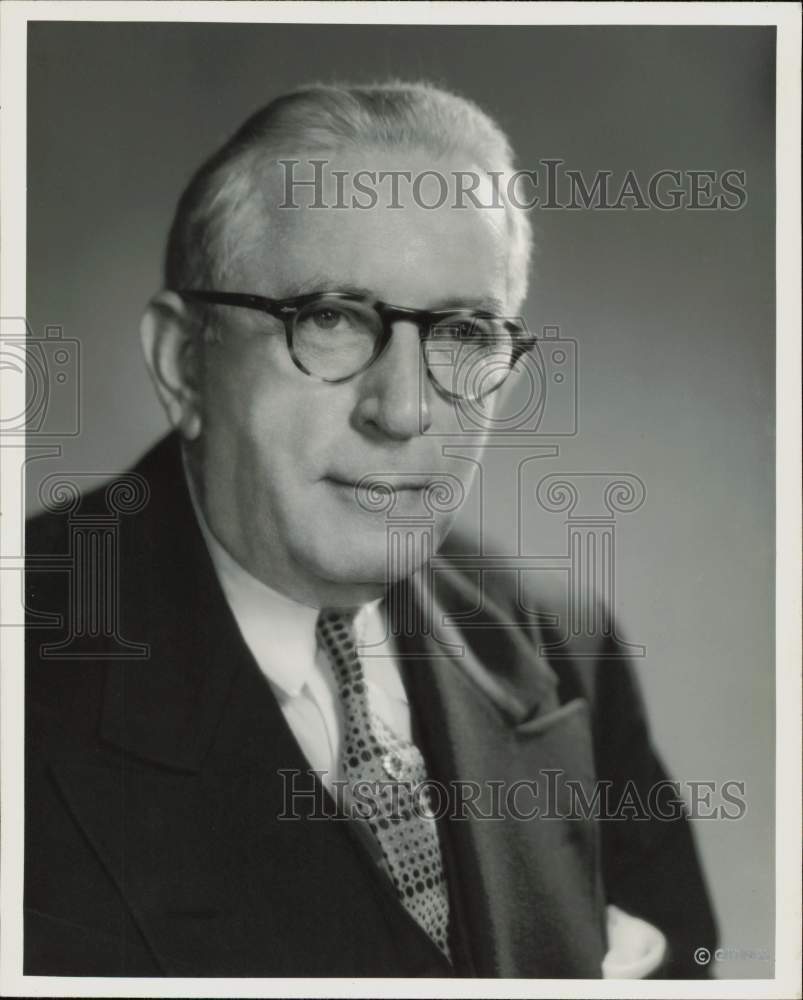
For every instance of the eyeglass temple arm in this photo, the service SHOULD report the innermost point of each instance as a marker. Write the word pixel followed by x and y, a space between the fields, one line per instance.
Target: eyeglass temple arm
pixel 243 299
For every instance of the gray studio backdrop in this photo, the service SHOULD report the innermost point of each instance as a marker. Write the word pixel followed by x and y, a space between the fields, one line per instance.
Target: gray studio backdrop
pixel 672 312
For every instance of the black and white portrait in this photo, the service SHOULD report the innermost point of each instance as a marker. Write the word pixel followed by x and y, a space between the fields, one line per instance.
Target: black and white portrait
pixel 396 489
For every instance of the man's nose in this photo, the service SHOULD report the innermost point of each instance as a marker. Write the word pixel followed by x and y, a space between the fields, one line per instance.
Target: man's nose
pixel 395 391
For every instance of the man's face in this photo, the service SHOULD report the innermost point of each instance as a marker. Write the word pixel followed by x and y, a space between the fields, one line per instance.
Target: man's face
pixel 282 450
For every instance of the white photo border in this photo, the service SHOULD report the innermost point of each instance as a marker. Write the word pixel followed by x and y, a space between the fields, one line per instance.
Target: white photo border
pixel 15 15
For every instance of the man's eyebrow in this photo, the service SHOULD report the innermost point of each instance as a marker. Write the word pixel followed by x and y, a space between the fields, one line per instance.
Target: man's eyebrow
pixel 320 283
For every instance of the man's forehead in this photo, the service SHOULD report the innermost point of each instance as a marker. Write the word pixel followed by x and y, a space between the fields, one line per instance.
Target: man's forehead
pixel 425 268
pixel 352 230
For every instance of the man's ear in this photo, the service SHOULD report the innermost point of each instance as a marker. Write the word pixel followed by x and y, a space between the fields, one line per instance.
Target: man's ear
pixel 172 354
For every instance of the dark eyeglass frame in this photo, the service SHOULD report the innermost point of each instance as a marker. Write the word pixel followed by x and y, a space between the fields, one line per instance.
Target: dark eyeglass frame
pixel 425 319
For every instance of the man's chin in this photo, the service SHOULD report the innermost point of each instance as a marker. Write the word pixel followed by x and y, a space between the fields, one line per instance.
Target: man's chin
pixel 371 558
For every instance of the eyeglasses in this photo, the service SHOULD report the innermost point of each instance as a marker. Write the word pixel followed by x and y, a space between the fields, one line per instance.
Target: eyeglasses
pixel 334 336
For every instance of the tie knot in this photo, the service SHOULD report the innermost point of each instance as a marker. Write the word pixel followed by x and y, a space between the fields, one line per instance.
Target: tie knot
pixel 336 620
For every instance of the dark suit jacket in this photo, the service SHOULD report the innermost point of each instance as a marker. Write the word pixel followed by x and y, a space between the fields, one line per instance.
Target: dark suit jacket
pixel 152 840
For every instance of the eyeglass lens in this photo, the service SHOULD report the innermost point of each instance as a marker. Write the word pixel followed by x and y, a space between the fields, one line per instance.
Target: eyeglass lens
pixel 466 355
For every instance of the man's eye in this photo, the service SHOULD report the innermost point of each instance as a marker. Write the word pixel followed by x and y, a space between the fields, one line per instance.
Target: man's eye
pixel 326 319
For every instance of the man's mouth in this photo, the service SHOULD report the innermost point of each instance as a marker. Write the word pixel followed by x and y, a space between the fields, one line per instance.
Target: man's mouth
pixel 391 483
pixel 381 493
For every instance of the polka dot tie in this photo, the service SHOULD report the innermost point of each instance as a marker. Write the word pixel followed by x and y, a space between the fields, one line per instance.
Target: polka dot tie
pixel 390 770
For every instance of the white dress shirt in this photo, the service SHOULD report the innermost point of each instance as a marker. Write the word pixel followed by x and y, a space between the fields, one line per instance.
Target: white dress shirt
pixel 280 633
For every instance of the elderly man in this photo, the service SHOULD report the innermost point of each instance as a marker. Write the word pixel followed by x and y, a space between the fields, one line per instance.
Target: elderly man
pixel 236 788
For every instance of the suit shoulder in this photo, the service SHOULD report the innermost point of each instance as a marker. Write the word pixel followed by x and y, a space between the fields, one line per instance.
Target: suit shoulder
pixel 536 606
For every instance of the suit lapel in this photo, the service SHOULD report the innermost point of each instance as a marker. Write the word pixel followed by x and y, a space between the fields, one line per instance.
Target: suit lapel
pixel 526 891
